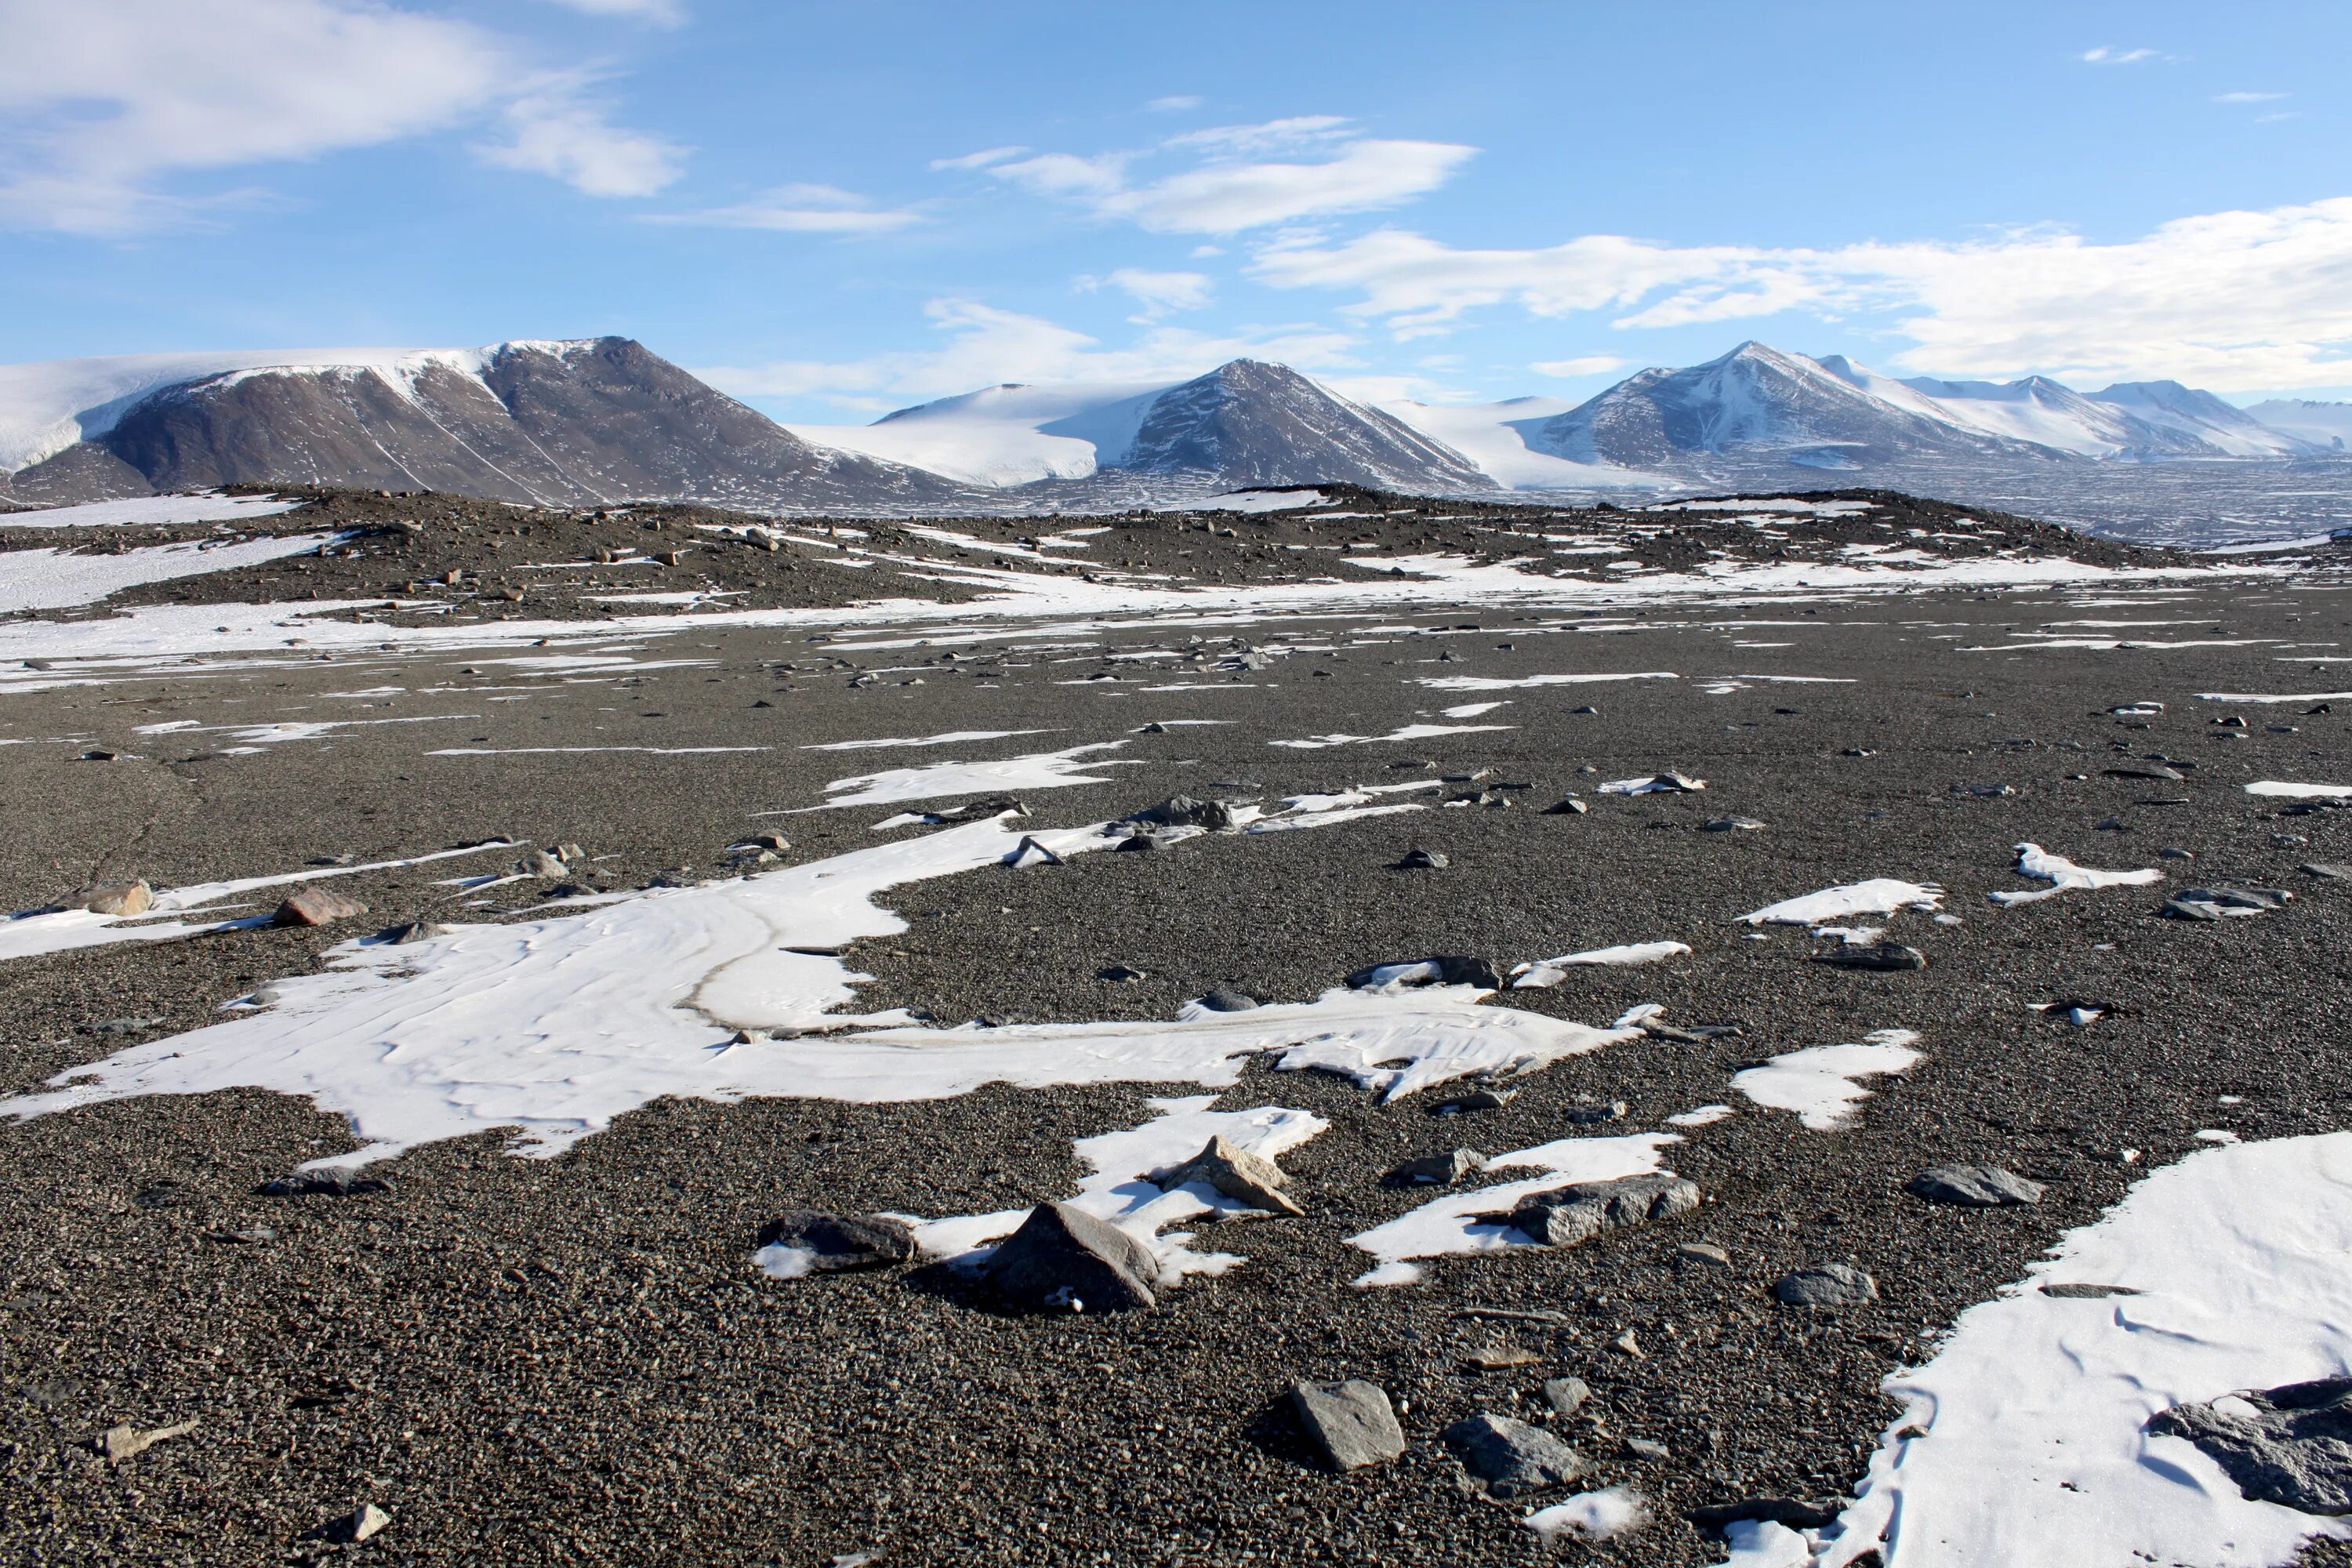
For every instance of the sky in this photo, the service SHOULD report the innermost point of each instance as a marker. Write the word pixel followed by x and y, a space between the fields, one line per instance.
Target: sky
pixel 833 210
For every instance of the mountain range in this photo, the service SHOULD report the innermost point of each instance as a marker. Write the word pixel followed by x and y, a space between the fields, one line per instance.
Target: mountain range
pixel 600 420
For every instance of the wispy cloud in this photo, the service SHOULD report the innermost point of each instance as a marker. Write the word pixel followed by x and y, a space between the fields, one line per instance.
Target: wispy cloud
pixel 1235 184
pixel 2248 97
pixel 800 210
pixel 980 159
pixel 1583 364
pixel 2229 298
pixel 1174 103
pixel 104 108
pixel 1159 293
pixel 985 345
pixel 2107 55
pixel 660 13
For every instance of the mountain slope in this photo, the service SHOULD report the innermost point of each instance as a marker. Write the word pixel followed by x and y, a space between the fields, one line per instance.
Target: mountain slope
pixel 1251 423
pixel 2198 423
pixel 565 422
pixel 2328 425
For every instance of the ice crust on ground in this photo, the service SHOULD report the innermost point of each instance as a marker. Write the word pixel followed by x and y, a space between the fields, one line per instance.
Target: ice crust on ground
pixel 149 512
pixel 1591 1516
pixel 1878 896
pixel 1405 733
pixel 48 579
pixel 1039 770
pixel 2064 876
pixel 554 1026
pixel 2278 790
pixel 1822 1083
pixel 2035 1406
pixel 1549 972
pixel 1447 1225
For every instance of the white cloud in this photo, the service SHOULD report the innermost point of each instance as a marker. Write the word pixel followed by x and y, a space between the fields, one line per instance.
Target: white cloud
pixel 2248 97
pixel 985 345
pixel 980 159
pixel 2234 299
pixel 1160 293
pixel 1583 364
pixel 660 13
pixel 1228 192
pixel 556 128
pixel 1174 103
pixel 2106 55
pixel 800 210
pixel 102 105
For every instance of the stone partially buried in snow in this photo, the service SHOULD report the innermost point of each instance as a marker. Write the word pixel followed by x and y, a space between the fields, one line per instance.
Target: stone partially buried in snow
pixel 1447 969
pixel 324 1183
pixel 1233 1171
pixel 1512 1457
pixel 1066 1259
pixel 1583 1210
pixel 1183 811
pixel 2221 903
pixel 1229 1002
pixel 833 1243
pixel 2289 1446
pixel 1827 1285
pixel 316 907
pixel 110 898
pixel 1657 783
pixel 1973 1186
pixel 1352 1423
pixel 1883 957
pixel 1417 860
pixel 1437 1170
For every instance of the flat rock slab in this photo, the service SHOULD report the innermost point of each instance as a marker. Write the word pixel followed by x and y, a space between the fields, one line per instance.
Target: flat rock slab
pixel 1350 1423
pixel 834 1243
pixel 2290 1444
pixel 1829 1285
pixel 1583 1210
pixel 1512 1457
pixel 1437 1170
pixel 317 907
pixel 1236 1172
pixel 1066 1259
pixel 1973 1186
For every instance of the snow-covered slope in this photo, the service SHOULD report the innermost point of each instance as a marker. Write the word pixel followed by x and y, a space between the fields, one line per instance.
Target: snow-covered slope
pixel 1494 436
pixel 2201 420
pixel 1004 435
pixel 2323 424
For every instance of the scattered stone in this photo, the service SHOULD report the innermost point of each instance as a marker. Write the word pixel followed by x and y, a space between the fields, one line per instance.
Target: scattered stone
pixel 110 898
pixel 1139 840
pixel 1119 975
pixel 1587 708
pixel 121 1027
pixel 1983 790
pixel 1884 956
pixel 2288 840
pixel 2143 771
pixel 1703 1252
pixel 1512 1457
pixel 2077 1290
pixel 1571 806
pixel 361 1523
pixel 2111 824
pixel 1657 783
pixel 1229 1002
pixel 1501 1358
pixel 774 843
pixel 1589 1112
pixel 1730 825
pixel 1029 852
pixel 1658 1029
pixel 1244 1177
pixel 1627 1344
pixel 2220 902
pixel 1183 811
pixel 99 755
pixel 1827 1285
pixel 1973 1186
pixel 250 1236
pixel 1644 1449
pixel 1450 969
pixel 539 863
pixel 120 1443
pixel 2289 1446
pixel 1566 1395
pixel 838 1242
pixel 1066 1259
pixel 975 810
pixel 1155 728
pixel 1350 1423
pixel 2174 852
pixel 1480 1100
pixel 1583 1210
pixel 1859 751
pixel 1480 776
pixel 1715 1518
pixel 2326 872
pixel 316 907
pixel 1437 1170
pixel 328 1183
pixel 1418 860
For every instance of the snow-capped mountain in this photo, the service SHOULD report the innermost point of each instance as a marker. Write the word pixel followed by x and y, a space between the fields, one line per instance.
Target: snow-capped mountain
pixel 2189 423
pixel 2324 425
pixel 565 422
pixel 1245 422
pixel 1494 436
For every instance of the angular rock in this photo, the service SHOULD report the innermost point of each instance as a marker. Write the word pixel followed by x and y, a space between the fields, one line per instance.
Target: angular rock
pixel 1730 825
pixel 1592 1112
pixel 1715 1518
pixel 2140 771
pixel 316 907
pixel 2290 1444
pixel 838 1243
pixel 1066 1259
pixel 1029 852
pixel 539 863
pixel 2326 872
pixel 351 1529
pixel 1183 811
pixel 2080 1290
pixel 1229 1002
pixel 1447 969
pixel 1566 1395
pixel 1703 1252
pixel 120 1443
pixel 111 898
pixel 329 1183
pixel 1244 1177
pixel 1973 1186
pixel 1437 1170
pixel 2222 902
pixel 1418 860
pixel 1647 1448
pixel 1885 957
pixel 1825 1284
pixel 1478 1099
pixel 409 932
pixel 1350 1423
pixel 1571 806
pixel 1512 1457
pixel 1583 1210
pixel 1121 973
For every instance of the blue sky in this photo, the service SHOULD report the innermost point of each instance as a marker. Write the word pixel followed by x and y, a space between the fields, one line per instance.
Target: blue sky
pixel 837 209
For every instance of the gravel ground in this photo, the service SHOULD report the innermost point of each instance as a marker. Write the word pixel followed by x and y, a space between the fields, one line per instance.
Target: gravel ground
pixel 572 1361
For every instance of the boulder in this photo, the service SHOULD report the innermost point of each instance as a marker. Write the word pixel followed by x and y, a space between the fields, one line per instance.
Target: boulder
pixel 1512 1457
pixel 2290 1444
pixel 1790 1513
pixel 1826 1284
pixel 324 1183
pixel 1453 969
pixel 1437 1170
pixel 316 907
pixel 1233 1171
pixel 836 1242
pixel 1423 860
pixel 1350 1423
pixel 1884 956
pixel 1973 1186
pixel 1566 1395
pixel 111 898
pixel 1066 1259
pixel 1183 811
pixel 1229 1002
pixel 1583 1210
